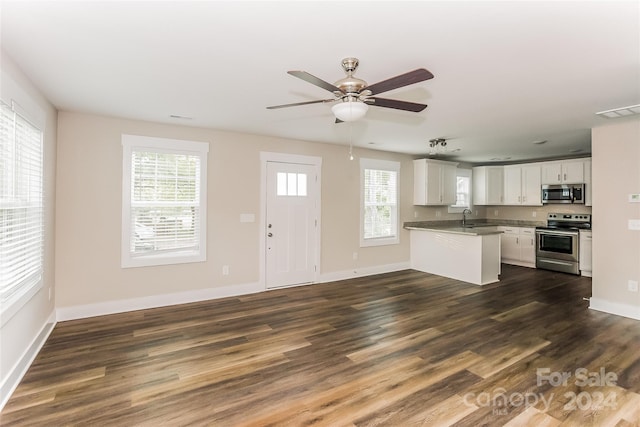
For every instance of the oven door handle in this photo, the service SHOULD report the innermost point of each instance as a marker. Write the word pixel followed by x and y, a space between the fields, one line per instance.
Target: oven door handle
pixel 558 233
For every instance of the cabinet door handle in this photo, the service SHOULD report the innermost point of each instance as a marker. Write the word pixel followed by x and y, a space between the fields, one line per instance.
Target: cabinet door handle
pixel 558 177
pixel 565 176
pixel 531 242
pixel 517 240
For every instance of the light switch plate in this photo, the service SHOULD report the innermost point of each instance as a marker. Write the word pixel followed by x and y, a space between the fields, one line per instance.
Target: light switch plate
pixel 634 224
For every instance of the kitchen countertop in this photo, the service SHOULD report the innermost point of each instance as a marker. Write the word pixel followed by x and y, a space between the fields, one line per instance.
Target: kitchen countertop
pixel 469 230
pixel 474 228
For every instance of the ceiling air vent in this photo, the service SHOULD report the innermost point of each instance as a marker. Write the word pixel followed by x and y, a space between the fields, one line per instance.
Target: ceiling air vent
pixel 620 112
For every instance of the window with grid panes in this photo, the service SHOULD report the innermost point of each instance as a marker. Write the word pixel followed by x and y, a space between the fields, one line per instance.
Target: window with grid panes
pixel 164 201
pixel 21 208
pixel 379 202
pixel 463 191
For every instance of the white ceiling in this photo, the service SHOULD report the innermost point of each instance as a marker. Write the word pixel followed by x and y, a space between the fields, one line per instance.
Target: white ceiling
pixel 506 73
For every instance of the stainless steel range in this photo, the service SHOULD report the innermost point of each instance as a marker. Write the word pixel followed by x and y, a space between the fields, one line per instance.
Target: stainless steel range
pixel 557 244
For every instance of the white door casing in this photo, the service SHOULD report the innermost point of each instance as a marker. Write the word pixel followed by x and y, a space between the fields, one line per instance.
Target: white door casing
pixel 290 229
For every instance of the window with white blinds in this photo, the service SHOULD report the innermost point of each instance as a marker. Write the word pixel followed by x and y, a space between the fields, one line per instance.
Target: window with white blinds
pixel 164 201
pixel 21 207
pixel 379 202
pixel 463 191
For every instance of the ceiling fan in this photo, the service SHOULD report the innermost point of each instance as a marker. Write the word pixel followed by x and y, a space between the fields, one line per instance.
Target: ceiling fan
pixel 355 95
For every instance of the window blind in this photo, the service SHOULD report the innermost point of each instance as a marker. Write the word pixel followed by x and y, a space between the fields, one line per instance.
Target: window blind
pixel 21 205
pixel 463 186
pixel 165 202
pixel 380 203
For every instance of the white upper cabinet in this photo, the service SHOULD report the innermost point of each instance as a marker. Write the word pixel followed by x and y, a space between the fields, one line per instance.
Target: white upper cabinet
pixel 512 185
pixel 488 185
pixel 531 185
pixel 563 172
pixel 434 182
pixel 522 185
pixel 449 184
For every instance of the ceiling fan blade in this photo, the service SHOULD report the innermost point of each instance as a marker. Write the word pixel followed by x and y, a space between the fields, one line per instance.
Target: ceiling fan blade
pixel 315 81
pixel 405 79
pixel 320 101
pixel 394 103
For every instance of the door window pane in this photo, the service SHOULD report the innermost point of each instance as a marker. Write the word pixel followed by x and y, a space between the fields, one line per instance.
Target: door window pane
pixel 302 184
pixel 291 184
pixel 281 184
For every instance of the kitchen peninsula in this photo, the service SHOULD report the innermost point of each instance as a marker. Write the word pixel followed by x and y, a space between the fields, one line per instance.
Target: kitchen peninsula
pixel 470 254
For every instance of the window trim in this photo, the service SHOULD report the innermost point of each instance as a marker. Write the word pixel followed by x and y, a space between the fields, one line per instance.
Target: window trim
pixel 13 304
pixel 131 143
pixel 387 165
pixel 467 173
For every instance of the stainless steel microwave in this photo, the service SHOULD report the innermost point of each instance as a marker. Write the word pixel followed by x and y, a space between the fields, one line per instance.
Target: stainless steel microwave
pixel 563 193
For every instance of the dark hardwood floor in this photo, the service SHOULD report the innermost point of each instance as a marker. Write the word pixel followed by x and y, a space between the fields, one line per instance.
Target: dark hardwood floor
pixel 398 349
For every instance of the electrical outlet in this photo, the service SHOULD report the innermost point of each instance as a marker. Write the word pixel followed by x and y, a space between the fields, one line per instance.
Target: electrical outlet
pixel 534 214
pixel 438 213
pixel 632 286
pixel 355 256
pixel 634 224
pixel 415 214
pixel 225 270
pixel 495 213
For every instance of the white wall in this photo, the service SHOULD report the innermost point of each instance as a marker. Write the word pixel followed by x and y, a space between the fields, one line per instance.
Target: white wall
pixel 89 278
pixel 23 333
pixel 616 249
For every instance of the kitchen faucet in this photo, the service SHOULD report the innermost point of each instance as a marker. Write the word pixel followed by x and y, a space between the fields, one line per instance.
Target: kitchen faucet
pixel 464 216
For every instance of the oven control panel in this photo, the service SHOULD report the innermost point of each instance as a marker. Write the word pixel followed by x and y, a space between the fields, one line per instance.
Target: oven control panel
pixel 569 217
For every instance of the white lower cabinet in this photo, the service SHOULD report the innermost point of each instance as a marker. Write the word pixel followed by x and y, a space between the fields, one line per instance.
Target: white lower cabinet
pixel 586 245
pixel 518 246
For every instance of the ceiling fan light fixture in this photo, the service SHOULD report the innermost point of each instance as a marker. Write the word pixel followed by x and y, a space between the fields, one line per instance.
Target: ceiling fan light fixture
pixel 350 111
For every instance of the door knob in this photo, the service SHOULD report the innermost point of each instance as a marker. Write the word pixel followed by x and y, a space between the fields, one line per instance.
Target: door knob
pixel 270 234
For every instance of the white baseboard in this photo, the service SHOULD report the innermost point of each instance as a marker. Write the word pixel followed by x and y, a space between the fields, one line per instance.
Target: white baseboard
pixel 625 310
pixel 362 272
pixel 20 368
pixel 153 301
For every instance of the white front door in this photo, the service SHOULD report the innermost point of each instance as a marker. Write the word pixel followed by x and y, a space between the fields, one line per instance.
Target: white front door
pixel 291 224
